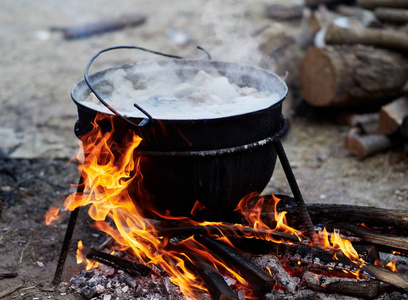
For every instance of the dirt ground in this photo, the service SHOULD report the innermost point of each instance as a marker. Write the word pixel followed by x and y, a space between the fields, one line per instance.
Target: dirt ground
pixel 37 117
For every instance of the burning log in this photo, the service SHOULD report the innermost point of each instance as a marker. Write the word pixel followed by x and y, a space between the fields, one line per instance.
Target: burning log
pixel 388 39
pixel 214 281
pixel 128 266
pixel 342 76
pixel 256 277
pixel 372 4
pixel 392 15
pixel 315 256
pixel 392 115
pixel 394 242
pixel 367 289
pixel 272 263
pixel 371 216
pixel 227 230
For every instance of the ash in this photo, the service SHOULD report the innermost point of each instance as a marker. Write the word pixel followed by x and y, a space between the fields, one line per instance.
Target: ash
pixel 106 283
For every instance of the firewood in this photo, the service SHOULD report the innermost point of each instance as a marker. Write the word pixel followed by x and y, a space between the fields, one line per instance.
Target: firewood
pixel 311 255
pixel 214 281
pixel 372 4
pixel 392 15
pixel 392 115
pixel 386 276
pixel 367 289
pixel 280 274
pixel 128 266
pixel 354 214
pixel 256 277
pixel 10 290
pixel 382 38
pixel 364 146
pixel 397 243
pixel 84 31
pixel 227 230
pixel 343 76
pixel 317 3
pixel 404 127
pixel 8 275
pixel 283 12
pixel 368 123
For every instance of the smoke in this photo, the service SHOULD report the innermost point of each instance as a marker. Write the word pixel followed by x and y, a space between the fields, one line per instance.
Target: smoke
pixel 231 21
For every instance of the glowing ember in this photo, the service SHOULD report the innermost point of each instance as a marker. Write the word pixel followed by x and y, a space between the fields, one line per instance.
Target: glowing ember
pixel 108 173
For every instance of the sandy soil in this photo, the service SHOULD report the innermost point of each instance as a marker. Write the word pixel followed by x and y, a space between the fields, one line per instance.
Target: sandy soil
pixel 38 68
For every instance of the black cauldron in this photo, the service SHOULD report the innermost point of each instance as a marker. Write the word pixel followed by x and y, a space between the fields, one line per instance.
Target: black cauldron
pixel 214 161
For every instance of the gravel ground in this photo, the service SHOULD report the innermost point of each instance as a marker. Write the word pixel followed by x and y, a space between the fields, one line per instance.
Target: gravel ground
pixel 39 67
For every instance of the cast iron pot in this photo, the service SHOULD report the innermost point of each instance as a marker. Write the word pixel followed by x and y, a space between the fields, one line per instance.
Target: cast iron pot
pixel 214 161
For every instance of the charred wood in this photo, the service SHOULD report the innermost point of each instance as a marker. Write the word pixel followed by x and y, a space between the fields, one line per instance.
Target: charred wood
pixel 342 76
pixel 127 266
pixel 371 216
pixel 397 243
pixel 366 289
pixel 316 256
pixel 227 230
pixel 386 276
pixel 214 281
pixel 256 277
pixel 8 275
pixel 273 264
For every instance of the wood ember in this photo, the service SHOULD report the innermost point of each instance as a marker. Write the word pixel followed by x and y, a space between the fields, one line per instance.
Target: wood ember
pixel 214 281
pixel 254 275
pixel 367 289
pixel 272 263
pixel 87 30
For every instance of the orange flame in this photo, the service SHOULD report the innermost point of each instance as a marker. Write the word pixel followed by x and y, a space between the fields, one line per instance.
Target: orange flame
pixel 108 169
pixel 80 257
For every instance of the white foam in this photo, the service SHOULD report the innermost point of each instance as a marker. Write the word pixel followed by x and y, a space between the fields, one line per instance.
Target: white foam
pixel 165 96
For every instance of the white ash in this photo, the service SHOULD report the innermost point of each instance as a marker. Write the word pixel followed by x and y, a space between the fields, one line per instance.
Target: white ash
pixel 279 273
pixel 164 95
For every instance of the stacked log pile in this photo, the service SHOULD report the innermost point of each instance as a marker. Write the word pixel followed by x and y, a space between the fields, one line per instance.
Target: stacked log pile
pixel 359 63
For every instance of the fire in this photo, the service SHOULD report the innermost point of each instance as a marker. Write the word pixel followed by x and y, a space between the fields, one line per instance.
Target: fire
pixel 82 259
pixel 108 173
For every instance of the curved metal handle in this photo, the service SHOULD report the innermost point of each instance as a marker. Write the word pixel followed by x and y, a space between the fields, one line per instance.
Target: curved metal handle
pixel 149 117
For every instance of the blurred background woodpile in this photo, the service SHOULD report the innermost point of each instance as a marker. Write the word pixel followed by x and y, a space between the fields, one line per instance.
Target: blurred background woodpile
pixel 354 64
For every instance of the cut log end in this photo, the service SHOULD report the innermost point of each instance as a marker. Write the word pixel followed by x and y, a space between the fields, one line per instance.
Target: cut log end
pixel 318 79
pixel 364 146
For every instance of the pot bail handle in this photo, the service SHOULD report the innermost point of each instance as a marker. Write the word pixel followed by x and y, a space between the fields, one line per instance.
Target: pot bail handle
pixel 149 118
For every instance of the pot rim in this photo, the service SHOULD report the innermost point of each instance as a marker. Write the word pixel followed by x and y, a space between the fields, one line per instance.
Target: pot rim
pixel 189 63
